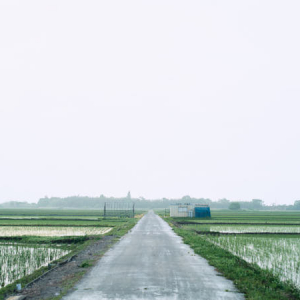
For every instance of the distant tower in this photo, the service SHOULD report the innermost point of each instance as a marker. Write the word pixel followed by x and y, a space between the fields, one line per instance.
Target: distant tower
pixel 128 195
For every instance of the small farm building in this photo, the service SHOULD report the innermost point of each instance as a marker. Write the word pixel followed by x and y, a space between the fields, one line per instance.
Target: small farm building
pixel 190 210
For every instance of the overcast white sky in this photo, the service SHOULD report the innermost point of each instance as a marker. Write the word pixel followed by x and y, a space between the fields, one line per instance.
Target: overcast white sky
pixel 162 98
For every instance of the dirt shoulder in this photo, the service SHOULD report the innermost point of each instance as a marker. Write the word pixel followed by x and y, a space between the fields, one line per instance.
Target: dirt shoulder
pixel 55 283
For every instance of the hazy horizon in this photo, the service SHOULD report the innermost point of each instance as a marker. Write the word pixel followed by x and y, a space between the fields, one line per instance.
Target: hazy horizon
pixel 147 199
pixel 162 98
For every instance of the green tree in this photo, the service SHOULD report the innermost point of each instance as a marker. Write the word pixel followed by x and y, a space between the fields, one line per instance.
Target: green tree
pixel 223 203
pixel 297 204
pixel 257 203
pixel 234 206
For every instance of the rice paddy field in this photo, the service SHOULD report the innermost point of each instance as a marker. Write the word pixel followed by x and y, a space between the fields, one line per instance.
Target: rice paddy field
pixel 31 239
pixel 261 247
pixel 246 229
pixel 12 231
pixel 17 261
pixel 277 254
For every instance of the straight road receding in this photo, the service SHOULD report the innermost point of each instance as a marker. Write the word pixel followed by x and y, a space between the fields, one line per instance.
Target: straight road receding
pixel 152 262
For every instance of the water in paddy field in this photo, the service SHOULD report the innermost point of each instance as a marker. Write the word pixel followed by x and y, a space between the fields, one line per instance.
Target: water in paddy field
pixel 51 231
pixel 254 229
pixel 17 261
pixel 280 255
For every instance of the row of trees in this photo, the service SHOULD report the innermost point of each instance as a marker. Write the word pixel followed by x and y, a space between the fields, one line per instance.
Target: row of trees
pixel 82 202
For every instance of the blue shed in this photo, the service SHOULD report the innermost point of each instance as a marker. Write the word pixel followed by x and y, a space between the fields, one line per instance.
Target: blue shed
pixel 202 212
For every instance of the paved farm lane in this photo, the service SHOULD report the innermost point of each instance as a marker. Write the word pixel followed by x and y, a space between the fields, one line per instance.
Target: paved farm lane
pixel 151 262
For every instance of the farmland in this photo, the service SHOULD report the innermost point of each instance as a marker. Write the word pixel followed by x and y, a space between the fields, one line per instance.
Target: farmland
pixel 18 260
pixel 11 231
pixel 259 251
pixel 31 239
pixel 280 256
pixel 246 229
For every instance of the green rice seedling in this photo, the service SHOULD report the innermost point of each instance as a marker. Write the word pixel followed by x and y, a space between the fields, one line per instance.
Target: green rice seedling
pixel 280 255
pixel 254 229
pixel 17 261
pixel 11 231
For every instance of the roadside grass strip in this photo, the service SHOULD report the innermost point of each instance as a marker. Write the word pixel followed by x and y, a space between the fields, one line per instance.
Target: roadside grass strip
pixel 11 231
pixel 281 256
pixel 18 261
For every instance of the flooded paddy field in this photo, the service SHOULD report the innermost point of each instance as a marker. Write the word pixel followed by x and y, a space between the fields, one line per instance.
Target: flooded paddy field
pixel 17 260
pixel 277 254
pixel 12 231
pixel 249 228
pixel 261 247
pixel 31 239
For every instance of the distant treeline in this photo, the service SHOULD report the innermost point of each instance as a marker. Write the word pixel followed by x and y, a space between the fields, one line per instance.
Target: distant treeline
pixel 81 202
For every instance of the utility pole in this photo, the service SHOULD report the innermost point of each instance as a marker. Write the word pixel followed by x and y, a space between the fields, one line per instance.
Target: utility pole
pixel 133 210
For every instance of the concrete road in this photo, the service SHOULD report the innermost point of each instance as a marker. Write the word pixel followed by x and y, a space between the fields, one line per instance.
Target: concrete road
pixel 151 262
